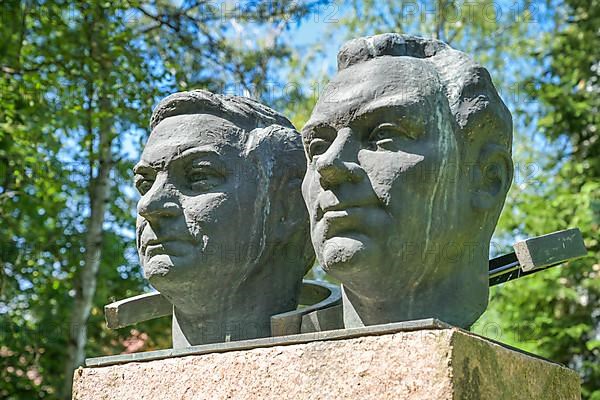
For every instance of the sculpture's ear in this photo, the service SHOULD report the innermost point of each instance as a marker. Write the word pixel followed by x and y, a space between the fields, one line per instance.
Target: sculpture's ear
pixel 491 178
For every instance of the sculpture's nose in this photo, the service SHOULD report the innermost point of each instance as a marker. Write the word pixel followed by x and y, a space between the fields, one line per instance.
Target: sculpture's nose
pixel 159 202
pixel 337 164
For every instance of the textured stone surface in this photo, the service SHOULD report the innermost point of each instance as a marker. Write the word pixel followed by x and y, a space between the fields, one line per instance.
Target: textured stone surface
pixel 440 364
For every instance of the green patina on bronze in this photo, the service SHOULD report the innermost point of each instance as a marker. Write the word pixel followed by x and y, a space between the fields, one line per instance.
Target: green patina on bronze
pixel 409 163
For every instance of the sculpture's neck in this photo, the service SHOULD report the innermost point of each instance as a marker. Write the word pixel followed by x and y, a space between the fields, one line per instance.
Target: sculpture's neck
pixel 442 300
pixel 220 326
pixel 242 312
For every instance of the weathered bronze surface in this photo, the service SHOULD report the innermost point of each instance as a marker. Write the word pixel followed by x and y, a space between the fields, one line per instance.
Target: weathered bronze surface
pixel 409 163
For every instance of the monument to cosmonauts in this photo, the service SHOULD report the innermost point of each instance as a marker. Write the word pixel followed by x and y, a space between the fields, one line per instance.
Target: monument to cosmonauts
pixel 396 183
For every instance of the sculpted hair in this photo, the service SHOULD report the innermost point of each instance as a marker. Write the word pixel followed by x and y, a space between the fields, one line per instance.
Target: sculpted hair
pixel 472 97
pixel 243 111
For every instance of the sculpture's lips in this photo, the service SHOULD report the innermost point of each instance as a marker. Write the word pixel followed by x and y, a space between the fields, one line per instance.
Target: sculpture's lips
pixel 340 210
pixel 155 247
pixel 328 201
pixel 334 214
pixel 336 222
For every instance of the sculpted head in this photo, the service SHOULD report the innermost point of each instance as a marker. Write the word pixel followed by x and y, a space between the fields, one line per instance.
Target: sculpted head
pixel 409 163
pixel 222 230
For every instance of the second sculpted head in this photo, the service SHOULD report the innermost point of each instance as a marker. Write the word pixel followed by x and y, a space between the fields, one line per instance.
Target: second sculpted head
pixel 409 163
pixel 222 231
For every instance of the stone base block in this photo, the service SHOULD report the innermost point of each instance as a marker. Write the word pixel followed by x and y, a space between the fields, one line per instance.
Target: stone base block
pixel 423 364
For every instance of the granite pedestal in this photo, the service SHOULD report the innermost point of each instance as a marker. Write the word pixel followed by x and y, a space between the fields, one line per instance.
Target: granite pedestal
pixel 423 359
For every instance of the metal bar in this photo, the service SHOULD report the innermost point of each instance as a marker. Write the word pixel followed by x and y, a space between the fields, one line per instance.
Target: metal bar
pixel 504 269
pixel 537 254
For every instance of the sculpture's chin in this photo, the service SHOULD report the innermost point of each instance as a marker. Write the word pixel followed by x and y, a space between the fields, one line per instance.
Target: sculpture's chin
pixel 345 255
pixel 157 267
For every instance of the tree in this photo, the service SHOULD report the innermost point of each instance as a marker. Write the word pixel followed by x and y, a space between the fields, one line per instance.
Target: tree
pixel 551 87
pixel 557 314
pixel 79 80
pixel 31 201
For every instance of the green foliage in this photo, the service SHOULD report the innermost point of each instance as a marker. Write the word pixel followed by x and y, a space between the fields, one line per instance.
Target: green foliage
pixel 570 87
pixel 68 69
pixel 557 313
pixel 72 73
pixel 550 82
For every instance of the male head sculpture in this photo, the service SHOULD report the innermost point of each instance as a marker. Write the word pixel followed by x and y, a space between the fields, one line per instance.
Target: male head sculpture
pixel 409 163
pixel 222 231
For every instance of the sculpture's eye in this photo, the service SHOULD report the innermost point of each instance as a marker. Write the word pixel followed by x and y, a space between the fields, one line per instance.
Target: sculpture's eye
pixel 383 136
pixel 202 176
pixel 320 137
pixel 317 147
pixel 143 185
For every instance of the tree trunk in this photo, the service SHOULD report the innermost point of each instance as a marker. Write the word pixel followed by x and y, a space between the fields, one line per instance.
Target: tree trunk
pixel 87 279
pixel 98 192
